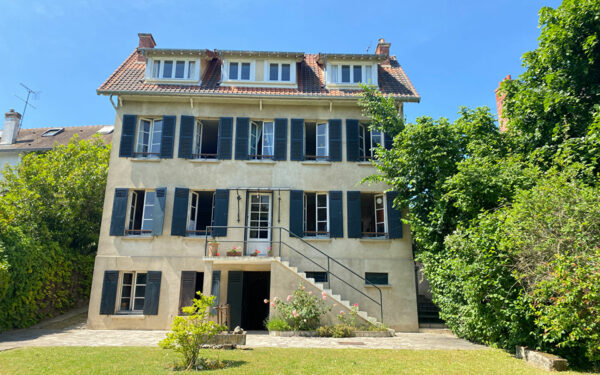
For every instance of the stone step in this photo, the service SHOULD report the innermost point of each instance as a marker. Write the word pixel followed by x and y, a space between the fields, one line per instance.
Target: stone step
pixel 304 276
pixel 363 314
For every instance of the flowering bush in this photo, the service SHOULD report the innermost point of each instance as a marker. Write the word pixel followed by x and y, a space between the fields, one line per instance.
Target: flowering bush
pixel 302 310
pixel 349 319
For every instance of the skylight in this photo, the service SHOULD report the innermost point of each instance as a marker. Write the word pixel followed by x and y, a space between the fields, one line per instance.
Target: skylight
pixel 106 129
pixel 52 132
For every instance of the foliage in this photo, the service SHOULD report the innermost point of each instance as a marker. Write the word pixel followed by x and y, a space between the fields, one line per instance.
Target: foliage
pixel 277 324
pixel 191 331
pixel 337 331
pixel 301 310
pixel 349 319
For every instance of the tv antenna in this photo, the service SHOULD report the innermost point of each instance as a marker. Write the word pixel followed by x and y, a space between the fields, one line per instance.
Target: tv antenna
pixel 34 95
pixel 368 47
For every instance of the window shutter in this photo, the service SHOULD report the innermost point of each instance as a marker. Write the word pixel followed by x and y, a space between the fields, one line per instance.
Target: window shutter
pixel 188 289
pixel 281 125
pixel 167 140
pixel 225 138
pixel 117 220
pixel 297 213
pixel 221 212
pixel 235 285
pixel 387 141
pixel 158 216
pixel 127 136
pixel 186 137
pixel 336 215
pixel 215 288
pixel 152 292
pixel 297 142
pixel 352 139
pixel 394 216
pixel 180 211
pixel 109 292
pixel 241 138
pixel 335 140
pixel 354 214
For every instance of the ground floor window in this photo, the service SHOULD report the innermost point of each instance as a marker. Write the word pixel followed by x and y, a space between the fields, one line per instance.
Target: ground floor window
pixel 377 278
pixel 141 212
pixel 373 221
pixel 316 223
pixel 202 204
pixel 319 276
pixel 133 292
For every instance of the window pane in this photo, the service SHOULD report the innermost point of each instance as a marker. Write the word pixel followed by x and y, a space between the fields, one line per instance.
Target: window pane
pixel 148 210
pixel 345 73
pixel 357 73
pixel 285 72
pixel 168 69
pixel 191 70
pixel 140 278
pixel 127 278
pixel 268 138
pixel 246 71
pixel 368 74
pixel 273 72
pixel 156 136
pixel 333 75
pixel 124 304
pixel 143 136
pixel 139 304
pixel 179 69
pixel 378 278
pixel 233 70
pixel 156 69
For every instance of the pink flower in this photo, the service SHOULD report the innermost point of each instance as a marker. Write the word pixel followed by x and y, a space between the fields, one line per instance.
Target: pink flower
pixel 310 293
pixel 341 312
pixel 295 313
pixel 272 304
pixel 356 305
pixel 266 300
pixel 324 298
pixel 323 294
pixel 289 298
pixel 218 254
pixel 303 288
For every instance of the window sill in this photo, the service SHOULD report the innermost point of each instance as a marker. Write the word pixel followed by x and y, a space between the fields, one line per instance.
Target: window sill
pixel 143 238
pixel 267 161
pixel 129 316
pixel 386 286
pixel 314 162
pixel 151 160
pixel 202 161
pixel 173 80
pixel 374 239
pixel 364 164
pixel 197 238
pixel 317 239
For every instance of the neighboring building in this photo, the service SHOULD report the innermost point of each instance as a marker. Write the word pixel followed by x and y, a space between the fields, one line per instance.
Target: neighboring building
pixel 502 121
pixel 14 141
pixel 259 145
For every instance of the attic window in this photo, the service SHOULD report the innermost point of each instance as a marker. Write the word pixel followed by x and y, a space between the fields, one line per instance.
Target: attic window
pixel 183 69
pixel 52 132
pixel 106 130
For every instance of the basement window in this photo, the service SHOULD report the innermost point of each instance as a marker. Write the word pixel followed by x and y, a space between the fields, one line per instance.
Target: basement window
pixel 316 223
pixel 201 211
pixel 133 292
pixel 372 207
pixel 316 141
pixel 141 212
pixel 148 137
pixel 377 278
pixel 262 139
pixel 206 136
pixel 319 276
pixel 52 132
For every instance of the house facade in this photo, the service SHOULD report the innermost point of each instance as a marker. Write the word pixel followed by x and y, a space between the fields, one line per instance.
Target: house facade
pixel 259 151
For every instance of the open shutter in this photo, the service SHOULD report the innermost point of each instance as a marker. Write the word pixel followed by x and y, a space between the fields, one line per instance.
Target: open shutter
pixel 297 213
pixel 186 137
pixel 394 216
pixel 152 292
pixel 221 212
pixel 387 141
pixel 297 141
pixel 180 211
pixel 188 289
pixel 225 138
pixel 242 126
pixel 335 140
pixel 158 216
pixel 336 214
pixel 167 140
pixel 127 136
pixel 281 125
pixel 119 212
pixel 215 289
pixel 109 292
pixel 235 285
pixel 352 146
pixel 354 214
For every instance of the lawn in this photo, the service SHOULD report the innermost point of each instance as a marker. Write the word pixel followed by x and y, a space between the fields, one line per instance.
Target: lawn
pixel 146 360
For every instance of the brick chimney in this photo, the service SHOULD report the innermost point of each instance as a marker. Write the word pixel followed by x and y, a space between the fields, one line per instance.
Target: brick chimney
pixel 12 121
pixel 146 41
pixel 383 48
pixel 502 122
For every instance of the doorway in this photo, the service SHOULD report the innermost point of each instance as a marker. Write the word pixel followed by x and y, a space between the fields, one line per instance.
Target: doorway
pixel 246 292
pixel 258 235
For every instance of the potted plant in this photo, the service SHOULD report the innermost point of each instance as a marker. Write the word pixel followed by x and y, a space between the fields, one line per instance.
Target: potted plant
pixel 270 251
pixel 255 253
pixel 213 248
pixel 235 252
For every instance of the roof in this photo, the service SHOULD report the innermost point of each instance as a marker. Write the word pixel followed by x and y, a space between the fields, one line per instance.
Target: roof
pixel 128 79
pixel 32 139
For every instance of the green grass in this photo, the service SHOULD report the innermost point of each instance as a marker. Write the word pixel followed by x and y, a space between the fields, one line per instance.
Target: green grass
pixel 145 360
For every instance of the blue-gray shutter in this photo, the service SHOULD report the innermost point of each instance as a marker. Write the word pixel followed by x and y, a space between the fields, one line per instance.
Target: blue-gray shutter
pixel 281 125
pixel 235 286
pixel 352 139
pixel 387 141
pixel 158 215
pixel 297 140
pixel 336 214
pixel 127 136
pixel 119 212
pixel 180 211
pixel 354 214
pixel 242 127
pixel 297 212
pixel 394 216
pixel 221 212
pixel 335 140
pixel 187 291
pixel 225 138
pixel 167 140
pixel 109 292
pixel 186 137
pixel 152 292
pixel 215 288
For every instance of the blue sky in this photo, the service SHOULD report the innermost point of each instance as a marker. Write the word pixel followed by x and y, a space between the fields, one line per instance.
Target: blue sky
pixel 455 52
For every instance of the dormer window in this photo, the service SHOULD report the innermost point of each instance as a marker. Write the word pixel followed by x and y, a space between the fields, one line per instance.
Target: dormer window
pixel 238 70
pixel 172 69
pixel 280 72
pixel 350 74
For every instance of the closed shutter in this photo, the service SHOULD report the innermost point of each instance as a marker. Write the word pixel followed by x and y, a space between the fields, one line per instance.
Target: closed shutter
pixel 186 137
pixel 242 125
pixel 215 289
pixel 127 136
pixel 188 289
pixel 281 125
pixel 109 292
pixel 180 211
pixel 119 212
pixel 354 214
pixel 394 216
pixel 352 139
pixel 235 285
pixel 335 140
pixel 167 140
pixel 336 214
pixel 152 292
pixel 158 215
pixel 220 213
pixel 297 140
pixel 297 213
pixel 225 138
pixel 387 141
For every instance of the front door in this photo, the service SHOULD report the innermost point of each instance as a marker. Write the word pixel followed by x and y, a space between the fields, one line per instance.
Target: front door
pixel 258 235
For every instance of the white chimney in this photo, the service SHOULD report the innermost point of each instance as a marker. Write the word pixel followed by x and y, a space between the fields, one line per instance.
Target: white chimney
pixel 12 120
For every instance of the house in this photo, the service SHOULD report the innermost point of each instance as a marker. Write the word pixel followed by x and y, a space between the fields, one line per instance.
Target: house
pixel 14 141
pixel 259 150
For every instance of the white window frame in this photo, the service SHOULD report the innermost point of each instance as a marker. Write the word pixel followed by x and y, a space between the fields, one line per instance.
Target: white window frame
pixel 267 71
pixel 334 73
pixel 191 222
pixel 317 207
pixel 253 139
pixel 190 73
pixel 225 70
pixel 132 208
pixel 320 157
pixel 151 141
pixel 363 129
pixel 382 209
pixel 132 297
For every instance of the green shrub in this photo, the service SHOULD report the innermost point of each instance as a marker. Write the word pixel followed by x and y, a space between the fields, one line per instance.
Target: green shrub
pixel 325 331
pixel 337 331
pixel 301 310
pixel 277 324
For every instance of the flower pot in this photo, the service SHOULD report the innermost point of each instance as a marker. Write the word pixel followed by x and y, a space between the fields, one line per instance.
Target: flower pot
pixel 234 253
pixel 213 249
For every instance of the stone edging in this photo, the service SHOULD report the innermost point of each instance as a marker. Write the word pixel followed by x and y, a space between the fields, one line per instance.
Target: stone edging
pixel 388 333
pixel 542 360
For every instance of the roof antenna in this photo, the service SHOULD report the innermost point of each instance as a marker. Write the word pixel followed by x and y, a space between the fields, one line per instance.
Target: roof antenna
pixel 35 96
pixel 368 47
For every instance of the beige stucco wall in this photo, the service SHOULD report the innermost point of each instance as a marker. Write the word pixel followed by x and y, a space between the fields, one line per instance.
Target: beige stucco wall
pixel 8 158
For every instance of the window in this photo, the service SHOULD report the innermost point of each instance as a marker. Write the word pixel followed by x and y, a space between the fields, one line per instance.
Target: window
pixel 377 278
pixel 206 137
pixel 350 74
pixel 239 71
pixel 148 136
pixel 368 140
pixel 52 132
pixel 173 69
pixel 319 276
pixel 373 215
pixel 279 72
pixel 133 292
pixel 345 73
pixel 316 223
pixel 357 74
pixel 202 204
pixel 141 211
pixel 316 141
pixel 262 138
